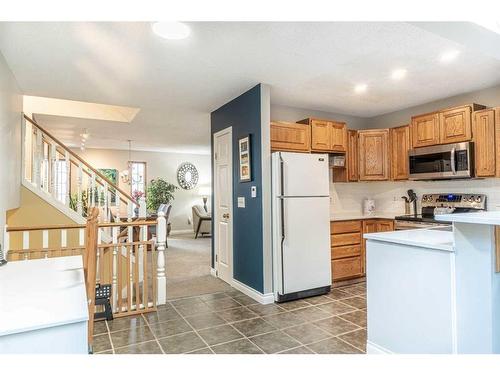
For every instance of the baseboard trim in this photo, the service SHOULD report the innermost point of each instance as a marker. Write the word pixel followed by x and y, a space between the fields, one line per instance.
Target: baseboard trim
pixel 263 299
pixel 213 272
pixel 372 348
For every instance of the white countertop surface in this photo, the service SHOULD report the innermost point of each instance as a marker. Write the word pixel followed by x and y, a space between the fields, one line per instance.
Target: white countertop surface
pixel 341 216
pixel 426 238
pixel 485 217
pixel 42 293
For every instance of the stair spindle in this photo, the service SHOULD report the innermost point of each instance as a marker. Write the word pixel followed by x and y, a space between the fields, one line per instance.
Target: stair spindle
pixel 53 169
pixel 79 206
pixel 45 243
pixel 26 244
pixel 67 193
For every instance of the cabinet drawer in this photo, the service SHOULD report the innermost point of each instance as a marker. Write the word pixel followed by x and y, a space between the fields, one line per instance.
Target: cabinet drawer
pixel 350 226
pixel 339 252
pixel 346 268
pixel 345 239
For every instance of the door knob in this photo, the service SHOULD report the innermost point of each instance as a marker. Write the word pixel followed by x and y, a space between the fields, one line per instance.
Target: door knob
pixel 225 216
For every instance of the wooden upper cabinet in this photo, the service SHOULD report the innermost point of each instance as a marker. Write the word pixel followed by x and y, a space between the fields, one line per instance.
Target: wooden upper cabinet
pixel 373 155
pixel 352 155
pixel 400 144
pixel 425 130
pixel 497 140
pixel 338 134
pixel 327 135
pixel 484 143
pixel 289 136
pixel 320 135
pixel 455 125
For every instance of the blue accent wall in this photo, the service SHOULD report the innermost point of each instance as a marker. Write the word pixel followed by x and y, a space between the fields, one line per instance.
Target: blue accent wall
pixel 244 115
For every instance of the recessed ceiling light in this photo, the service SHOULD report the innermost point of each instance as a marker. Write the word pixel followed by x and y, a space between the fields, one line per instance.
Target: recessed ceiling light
pixel 449 56
pixel 361 88
pixel 398 74
pixel 171 30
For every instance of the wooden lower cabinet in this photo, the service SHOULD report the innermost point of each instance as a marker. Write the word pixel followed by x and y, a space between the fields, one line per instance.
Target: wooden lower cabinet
pixel 348 248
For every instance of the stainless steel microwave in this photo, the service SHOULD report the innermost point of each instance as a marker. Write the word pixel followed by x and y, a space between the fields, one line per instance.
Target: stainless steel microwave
pixel 455 160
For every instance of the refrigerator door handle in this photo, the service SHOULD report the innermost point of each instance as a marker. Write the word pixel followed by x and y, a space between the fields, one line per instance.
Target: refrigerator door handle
pixel 282 218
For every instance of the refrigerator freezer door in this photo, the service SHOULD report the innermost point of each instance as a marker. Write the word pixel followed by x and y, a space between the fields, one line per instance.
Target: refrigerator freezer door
pixel 305 255
pixel 304 175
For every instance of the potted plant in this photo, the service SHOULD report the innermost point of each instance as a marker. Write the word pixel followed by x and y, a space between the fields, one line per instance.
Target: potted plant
pixel 159 192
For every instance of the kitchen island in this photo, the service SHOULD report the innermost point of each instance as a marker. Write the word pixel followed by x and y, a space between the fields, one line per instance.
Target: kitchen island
pixel 43 307
pixel 434 290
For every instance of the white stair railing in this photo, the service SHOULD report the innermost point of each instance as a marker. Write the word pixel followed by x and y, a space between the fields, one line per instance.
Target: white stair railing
pixel 48 165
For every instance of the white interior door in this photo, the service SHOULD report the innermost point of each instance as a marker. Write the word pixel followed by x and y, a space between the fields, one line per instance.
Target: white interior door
pixel 223 197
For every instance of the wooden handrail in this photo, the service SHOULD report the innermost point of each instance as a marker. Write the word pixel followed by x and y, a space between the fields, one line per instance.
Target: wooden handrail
pixel 80 226
pixel 110 183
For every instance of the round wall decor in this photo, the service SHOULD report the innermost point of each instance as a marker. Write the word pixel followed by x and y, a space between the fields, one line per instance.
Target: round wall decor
pixel 187 176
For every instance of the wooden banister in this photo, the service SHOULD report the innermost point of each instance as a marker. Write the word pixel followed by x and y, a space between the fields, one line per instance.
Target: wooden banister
pixel 73 154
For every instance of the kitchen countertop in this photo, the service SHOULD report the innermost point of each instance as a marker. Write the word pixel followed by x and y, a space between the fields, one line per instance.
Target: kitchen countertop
pixel 436 239
pixel 485 217
pixel 360 216
pixel 42 293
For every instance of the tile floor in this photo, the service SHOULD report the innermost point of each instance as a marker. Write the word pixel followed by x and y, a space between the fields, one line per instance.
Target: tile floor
pixel 232 323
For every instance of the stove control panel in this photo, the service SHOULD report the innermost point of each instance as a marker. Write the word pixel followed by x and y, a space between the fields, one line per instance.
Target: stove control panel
pixel 473 201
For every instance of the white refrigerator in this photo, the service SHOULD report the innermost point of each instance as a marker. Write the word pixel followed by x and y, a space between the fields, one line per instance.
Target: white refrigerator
pixel 301 225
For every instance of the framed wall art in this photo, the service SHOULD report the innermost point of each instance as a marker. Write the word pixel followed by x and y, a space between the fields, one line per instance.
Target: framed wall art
pixel 244 150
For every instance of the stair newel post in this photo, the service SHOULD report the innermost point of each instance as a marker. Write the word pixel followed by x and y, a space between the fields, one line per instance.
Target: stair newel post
pixel 26 243
pixel 114 279
pixel 38 159
pixel 67 193
pixel 161 239
pixel 79 205
pixel 53 169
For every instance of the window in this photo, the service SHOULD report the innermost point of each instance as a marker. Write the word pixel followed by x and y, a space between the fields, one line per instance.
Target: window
pixel 137 176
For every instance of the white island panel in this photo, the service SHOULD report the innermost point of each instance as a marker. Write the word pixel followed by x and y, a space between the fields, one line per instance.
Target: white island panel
pixel 409 299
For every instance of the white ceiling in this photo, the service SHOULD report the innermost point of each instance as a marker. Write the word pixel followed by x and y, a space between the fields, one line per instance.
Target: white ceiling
pixel 178 83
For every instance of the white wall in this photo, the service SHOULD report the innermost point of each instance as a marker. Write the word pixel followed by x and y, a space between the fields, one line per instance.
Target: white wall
pixel 10 142
pixel 348 197
pixel 159 164
pixel 292 114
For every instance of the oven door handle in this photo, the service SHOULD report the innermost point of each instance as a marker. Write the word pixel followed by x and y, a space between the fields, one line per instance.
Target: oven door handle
pixel 452 161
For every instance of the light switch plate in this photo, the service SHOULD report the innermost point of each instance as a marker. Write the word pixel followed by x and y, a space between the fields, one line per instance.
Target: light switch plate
pixel 253 191
pixel 241 202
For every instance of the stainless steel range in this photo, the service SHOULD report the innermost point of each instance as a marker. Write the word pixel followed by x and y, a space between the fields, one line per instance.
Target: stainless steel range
pixel 433 204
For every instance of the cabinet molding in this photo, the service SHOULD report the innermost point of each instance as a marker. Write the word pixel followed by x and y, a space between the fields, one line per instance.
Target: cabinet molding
pixel 400 144
pixel 373 155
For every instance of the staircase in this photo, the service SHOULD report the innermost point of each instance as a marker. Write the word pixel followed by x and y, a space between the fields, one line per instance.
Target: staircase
pixel 67 182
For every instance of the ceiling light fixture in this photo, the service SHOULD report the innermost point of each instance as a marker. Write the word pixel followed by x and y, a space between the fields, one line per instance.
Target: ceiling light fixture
pixel 449 56
pixel 171 30
pixel 398 74
pixel 361 88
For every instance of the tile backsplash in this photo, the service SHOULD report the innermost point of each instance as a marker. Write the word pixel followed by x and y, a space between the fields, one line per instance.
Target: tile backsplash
pixel 348 197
